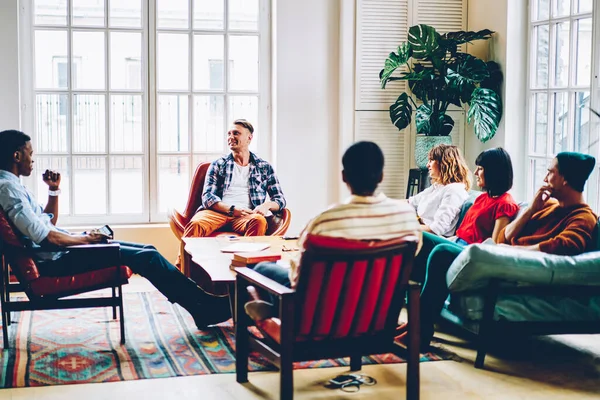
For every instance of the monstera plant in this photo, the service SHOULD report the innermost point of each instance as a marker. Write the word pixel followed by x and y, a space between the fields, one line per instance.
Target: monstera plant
pixel 438 75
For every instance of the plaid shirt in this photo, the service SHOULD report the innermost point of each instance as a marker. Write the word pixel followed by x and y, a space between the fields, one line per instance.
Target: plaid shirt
pixel 262 181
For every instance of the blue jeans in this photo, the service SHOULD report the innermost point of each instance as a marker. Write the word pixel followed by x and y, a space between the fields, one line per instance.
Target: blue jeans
pixel 435 290
pixel 275 272
pixel 143 259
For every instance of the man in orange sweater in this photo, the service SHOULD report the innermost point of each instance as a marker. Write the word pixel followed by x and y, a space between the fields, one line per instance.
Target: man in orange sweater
pixel 558 220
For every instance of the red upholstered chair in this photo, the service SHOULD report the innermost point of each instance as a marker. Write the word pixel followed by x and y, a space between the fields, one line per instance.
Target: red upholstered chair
pixel 46 292
pixel 346 304
pixel 278 224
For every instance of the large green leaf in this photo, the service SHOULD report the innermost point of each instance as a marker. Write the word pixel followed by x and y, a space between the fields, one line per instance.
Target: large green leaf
pixel 463 75
pixel 432 123
pixel 461 37
pixel 494 80
pixel 424 41
pixel 394 61
pixel 485 110
pixel 401 112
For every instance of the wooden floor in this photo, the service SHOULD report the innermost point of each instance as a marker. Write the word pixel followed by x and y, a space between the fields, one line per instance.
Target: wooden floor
pixel 559 367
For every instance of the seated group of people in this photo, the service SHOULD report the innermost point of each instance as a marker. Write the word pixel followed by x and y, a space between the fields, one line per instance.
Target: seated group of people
pixel 242 190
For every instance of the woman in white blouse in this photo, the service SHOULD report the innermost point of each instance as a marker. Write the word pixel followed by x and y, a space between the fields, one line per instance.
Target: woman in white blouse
pixel 438 206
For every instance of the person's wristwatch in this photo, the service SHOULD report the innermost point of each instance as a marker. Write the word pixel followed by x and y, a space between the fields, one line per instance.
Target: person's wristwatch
pixel 230 213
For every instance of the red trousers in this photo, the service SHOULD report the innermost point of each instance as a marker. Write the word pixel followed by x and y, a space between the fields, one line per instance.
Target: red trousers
pixel 205 222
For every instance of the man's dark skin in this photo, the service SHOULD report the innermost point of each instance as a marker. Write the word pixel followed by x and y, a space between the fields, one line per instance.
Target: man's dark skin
pixel 23 166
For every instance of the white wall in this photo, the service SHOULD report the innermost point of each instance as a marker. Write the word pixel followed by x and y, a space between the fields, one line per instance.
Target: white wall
pixel 508 47
pixel 9 65
pixel 306 106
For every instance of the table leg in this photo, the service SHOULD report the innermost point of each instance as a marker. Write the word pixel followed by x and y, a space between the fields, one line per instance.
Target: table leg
pixel 231 290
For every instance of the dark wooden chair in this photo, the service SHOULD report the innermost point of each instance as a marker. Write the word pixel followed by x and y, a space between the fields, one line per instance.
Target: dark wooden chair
pixel 277 223
pixel 346 304
pixel 48 292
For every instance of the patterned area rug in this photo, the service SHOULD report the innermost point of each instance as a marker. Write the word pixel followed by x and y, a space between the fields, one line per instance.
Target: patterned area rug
pixel 58 347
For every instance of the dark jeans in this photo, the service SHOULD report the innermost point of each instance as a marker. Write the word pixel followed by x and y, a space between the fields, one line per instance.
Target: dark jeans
pixel 144 260
pixel 275 272
pixel 435 290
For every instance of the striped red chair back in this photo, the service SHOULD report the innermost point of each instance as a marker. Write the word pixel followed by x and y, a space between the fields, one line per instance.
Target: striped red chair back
pixel 351 288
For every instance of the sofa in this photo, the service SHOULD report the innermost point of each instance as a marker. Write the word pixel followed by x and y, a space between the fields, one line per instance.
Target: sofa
pixel 500 290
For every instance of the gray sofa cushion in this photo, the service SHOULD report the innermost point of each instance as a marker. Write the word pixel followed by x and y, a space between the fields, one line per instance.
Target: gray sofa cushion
pixel 477 264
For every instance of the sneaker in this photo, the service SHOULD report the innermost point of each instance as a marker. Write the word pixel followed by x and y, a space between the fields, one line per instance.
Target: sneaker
pixel 259 310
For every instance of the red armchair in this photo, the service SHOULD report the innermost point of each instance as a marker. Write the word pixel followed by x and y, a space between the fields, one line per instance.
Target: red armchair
pixel 278 224
pixel 46 292
pixel 346 303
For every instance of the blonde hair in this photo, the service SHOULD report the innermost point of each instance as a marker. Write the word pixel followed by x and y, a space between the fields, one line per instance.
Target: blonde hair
pixel 453 167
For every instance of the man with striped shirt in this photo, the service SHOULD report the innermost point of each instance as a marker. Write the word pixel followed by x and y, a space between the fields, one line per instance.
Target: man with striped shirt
pixel 363 216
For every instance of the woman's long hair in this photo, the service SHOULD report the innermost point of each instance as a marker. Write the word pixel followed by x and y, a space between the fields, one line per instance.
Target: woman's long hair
pixel 453 167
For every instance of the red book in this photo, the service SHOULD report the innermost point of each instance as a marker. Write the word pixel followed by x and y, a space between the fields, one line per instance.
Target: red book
pixel 256 257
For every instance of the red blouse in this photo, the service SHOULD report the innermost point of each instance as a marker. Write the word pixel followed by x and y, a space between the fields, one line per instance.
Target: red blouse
pixel 478 223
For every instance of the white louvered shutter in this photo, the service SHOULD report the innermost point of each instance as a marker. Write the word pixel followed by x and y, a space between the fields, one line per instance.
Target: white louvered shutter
pixel 381 25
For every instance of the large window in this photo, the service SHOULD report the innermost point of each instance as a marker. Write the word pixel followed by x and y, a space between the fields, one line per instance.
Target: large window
pixel 128 96
pixel 563 86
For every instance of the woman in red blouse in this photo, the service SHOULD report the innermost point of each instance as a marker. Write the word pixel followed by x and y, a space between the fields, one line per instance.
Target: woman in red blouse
pixel 495 208
pixel 488 215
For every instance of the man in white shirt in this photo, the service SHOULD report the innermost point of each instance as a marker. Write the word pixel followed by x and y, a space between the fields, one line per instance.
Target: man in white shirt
pixel 236 188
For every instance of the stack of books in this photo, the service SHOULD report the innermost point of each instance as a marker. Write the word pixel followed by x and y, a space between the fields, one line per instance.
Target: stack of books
pixel 252 258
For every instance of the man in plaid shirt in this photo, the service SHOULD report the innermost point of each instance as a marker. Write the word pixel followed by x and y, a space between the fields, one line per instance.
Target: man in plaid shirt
pixel 236 188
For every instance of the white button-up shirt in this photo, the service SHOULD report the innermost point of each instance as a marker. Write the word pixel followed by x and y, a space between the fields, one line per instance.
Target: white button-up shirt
pixel 439 206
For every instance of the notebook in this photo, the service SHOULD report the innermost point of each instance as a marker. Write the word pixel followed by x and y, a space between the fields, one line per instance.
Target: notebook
pixel 245 247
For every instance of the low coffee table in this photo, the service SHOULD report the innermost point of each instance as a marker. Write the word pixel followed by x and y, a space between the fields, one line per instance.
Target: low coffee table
pixel 210 268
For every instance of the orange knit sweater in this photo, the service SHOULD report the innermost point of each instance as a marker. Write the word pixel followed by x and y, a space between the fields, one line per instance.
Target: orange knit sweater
pixel 557 230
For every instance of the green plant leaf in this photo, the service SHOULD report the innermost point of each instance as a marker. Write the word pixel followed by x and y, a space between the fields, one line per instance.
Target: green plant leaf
pixel 432 123
pixel 424 75
pixel 485 110
pixel 422 116
pixel 401 112
pixel 494 80
pixel 424 41
pixel 463 75
pixel 460 37
pixel 394 61
pixel 447 123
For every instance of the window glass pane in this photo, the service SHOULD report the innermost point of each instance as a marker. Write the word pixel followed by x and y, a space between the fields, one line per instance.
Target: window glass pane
pixel 583 5
pixel 582 122
pixel 243 63
pixel 126 123
pixel 561 75
pixel 561 120
pixel 126 61
pixel 59 164
pixel 245 107
pixel 89 123
pixel 51 116
pixel 89 185
pixel 87 67
pixel 542 44
pixel 173 59
pixel 209 70
pixel 126 13
pixel 172 13
pixel 583 48
pixel 173 182
pixel 209 131
pixel 540 139
pixel 88 12
pixel 542 9
pixel 243 15
pixel 50 12
pixel 172 123
pixel 126 185
pixel 561 8
pixel 51 60
pixel 539 169
pixel 208 14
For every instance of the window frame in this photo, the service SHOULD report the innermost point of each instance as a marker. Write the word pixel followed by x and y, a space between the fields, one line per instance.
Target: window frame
pixel 150 92
pixel 593 185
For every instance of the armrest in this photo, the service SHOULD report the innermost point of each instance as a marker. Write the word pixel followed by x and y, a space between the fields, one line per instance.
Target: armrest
pixel 110 252
pixel 253 277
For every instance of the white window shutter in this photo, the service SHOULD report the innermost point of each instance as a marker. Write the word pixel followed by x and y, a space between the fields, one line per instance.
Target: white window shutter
pixel 381 25
pixel 443 15
pixel 375 126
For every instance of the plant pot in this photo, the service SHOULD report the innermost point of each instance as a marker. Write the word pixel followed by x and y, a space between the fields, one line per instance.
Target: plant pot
pixel 425 143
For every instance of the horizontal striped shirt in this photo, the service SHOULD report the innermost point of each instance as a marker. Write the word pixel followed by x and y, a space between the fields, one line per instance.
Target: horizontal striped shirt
pixel 361 218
